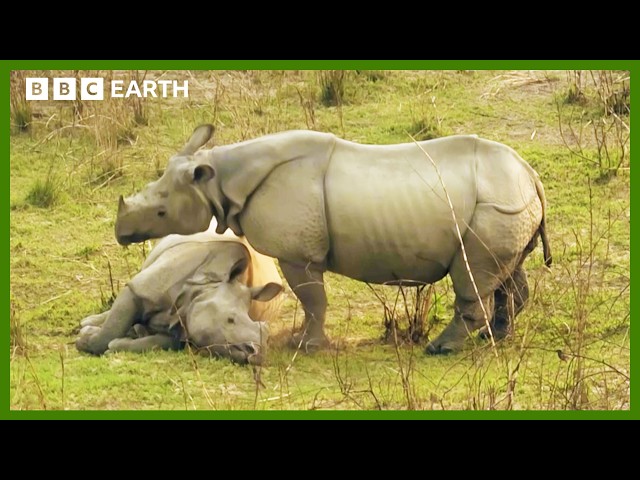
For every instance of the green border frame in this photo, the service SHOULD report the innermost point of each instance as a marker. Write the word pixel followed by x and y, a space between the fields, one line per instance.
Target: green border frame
pixel 7 66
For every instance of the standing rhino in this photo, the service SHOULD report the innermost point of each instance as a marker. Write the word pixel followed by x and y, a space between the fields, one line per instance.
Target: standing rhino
pixel 196 288
pixel 376 213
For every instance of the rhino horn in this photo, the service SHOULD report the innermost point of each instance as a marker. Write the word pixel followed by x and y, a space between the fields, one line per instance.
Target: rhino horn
pixel 122 206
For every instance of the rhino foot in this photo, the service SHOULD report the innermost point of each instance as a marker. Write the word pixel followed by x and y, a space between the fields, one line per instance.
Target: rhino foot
pixel 499 333
pixel 85 344
pixel 449 341
pixel 118 345
pixel 309 343
pixel 89 330
pixel 140 331
pixel 94 320
pixel 435 348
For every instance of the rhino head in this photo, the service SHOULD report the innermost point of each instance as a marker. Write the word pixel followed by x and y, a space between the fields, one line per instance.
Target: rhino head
pixel 175 203
pixel 214 317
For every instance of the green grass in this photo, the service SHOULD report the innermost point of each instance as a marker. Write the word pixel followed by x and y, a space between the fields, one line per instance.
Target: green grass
pixel 65 261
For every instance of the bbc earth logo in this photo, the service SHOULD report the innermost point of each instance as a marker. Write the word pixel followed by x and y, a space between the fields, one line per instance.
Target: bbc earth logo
pixel 93 89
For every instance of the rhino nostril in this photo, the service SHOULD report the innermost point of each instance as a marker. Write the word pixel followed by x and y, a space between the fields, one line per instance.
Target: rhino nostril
pixel 244 351
pixel 250 348
pixel 255 359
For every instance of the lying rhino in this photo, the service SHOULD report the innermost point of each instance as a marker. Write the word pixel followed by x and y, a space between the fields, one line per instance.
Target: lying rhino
pixel 197 289
pixel 380 214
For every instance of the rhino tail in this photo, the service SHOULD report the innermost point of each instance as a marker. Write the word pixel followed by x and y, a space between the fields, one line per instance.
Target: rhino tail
pixel 546 249
pixel 542 229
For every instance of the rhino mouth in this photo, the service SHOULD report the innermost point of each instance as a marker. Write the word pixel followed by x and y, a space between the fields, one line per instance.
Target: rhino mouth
pixel 246 353
pixel 132 238
pixel 242 354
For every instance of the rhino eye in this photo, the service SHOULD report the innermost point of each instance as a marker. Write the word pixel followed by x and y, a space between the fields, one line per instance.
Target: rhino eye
pixel 162 213
pixel 230 320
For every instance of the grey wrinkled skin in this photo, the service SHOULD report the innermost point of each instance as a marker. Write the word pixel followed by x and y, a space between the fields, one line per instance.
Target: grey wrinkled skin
pixel 385 214
pixel 191 289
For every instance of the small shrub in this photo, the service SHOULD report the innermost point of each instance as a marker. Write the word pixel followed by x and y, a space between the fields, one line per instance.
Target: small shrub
pixel 16 334
pixel 575 97
pixel 106 169
pixel 21 113
pixel 332 87
pixel 371 75
pixel 424 129
pixel 88 251
pixel 307 102
pixel 405 317
pixel 107 299
pixel 575 94
pixel 138 103
pixel 612 91
pixel 113 121
pixel 112 128
pixel 427 121
pixel 44 193
pixel 621 102
pixel 21 116
pixel 603 123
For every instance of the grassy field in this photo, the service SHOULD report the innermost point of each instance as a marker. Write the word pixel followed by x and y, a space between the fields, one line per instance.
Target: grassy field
pixel 71 160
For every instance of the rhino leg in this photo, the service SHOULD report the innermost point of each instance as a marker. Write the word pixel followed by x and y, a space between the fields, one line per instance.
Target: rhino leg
pixel 158 341
pixel 139 331
pixel 468 317
pixel 95 320
pixel 88 330
pixel 496 244
pixel 510 299
pixel 123 314
pixel 308 285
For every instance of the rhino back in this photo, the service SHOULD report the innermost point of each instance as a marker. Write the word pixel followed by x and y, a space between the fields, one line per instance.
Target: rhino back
pixel 174 259
pixel 387 213
pixel 500 165
pixel 177 257
pixel 509 187
pixel 289 205
pixel 174 240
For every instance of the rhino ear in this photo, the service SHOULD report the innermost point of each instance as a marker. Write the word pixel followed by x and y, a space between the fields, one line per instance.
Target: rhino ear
pixel 180 301
pixel 238 268
pixel 203 173
pixel 177 328
pixel 198 174
pixel 199 137
pixel 266 292
pixel 178 316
